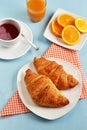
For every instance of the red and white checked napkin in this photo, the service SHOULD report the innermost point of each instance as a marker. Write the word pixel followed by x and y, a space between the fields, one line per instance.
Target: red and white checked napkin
pixel 15 105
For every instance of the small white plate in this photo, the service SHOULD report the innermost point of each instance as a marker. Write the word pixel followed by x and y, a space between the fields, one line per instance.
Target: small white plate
pixel 50 36
pixel 49 113
pixel 21 48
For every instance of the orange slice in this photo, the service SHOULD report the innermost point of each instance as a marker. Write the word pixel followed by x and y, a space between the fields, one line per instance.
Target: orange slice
pixel 81 25
pixel 70 35
pixel 56 28
pixel 66 19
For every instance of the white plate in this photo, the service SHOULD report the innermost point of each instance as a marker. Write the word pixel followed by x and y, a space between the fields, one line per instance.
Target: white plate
pixel 21 48
pixel 49 35
pixel 49 113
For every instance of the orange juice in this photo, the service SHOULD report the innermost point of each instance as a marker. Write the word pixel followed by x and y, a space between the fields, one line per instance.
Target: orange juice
pixel 36 9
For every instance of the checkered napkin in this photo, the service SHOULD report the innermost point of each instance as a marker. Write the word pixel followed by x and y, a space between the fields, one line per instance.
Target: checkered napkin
pixel 15 105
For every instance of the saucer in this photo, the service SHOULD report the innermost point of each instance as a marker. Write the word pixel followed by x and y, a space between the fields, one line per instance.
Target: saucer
pixel 21 48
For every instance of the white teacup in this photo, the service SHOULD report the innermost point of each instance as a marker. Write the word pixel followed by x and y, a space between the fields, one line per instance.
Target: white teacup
pixel 10 32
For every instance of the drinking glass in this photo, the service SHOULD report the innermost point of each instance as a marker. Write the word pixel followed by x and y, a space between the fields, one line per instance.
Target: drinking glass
pixel 36 9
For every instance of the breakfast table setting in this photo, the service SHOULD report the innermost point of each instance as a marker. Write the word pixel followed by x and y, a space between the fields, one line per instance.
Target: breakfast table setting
pixel 43 66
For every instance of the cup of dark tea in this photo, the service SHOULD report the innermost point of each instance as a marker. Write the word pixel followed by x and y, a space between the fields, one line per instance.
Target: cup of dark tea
pixel 10 32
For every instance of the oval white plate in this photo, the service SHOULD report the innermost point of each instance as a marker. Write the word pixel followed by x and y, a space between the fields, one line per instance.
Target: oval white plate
pixel 21 48
pixel 49 113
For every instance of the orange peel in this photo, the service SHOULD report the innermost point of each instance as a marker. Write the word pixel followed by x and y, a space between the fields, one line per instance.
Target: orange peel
pixel 65 19
pixel 56 28
pixel 70 35
pixel 81 25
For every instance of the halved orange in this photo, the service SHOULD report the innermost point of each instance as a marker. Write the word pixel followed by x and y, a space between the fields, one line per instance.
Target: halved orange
pixel 70 35
pixel 56 28
pixel 81 25
pixel 65 19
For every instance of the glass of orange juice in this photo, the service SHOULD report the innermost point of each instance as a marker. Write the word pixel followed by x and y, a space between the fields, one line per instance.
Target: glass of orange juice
pixel 36 9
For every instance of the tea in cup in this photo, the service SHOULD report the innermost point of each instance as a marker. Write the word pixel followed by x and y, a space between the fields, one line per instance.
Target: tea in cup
pixel 10 32
pixel 36 9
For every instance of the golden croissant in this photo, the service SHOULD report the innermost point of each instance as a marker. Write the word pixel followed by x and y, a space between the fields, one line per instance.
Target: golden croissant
pixel 43 91
pixel 56 73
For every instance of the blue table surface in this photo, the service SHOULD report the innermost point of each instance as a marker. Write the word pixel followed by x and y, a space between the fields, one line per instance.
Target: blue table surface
pixel 76 119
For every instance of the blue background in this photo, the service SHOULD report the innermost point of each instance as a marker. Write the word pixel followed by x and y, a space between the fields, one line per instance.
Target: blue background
pixel 76 119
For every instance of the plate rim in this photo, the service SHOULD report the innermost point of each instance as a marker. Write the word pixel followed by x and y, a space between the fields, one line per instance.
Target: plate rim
pixel 27 105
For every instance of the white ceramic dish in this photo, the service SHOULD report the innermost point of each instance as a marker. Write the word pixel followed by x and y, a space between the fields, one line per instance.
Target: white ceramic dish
pixel 50 36
pixel 21 48
pixel 49 113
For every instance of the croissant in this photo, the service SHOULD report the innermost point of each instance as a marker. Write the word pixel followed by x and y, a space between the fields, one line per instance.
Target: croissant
pixel 56 73
pixel 43 91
